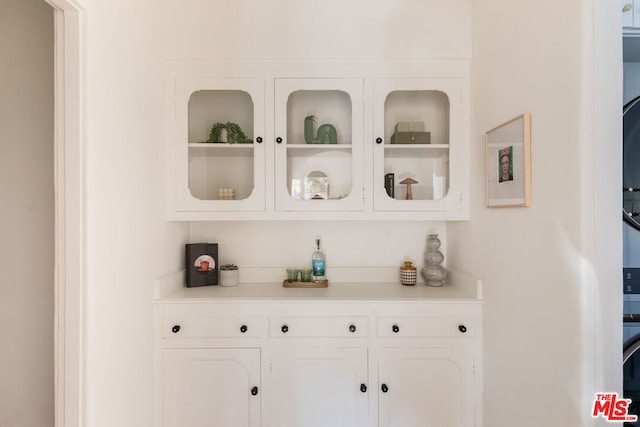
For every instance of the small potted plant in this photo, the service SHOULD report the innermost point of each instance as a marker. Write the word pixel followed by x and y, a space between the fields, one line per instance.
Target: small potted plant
pixel 234 134
pixel 228 275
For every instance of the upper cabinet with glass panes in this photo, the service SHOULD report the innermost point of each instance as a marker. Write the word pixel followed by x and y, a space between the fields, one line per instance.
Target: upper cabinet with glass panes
pixel 420 142
pixel 318 145
pixel 218 149
pixel 344 147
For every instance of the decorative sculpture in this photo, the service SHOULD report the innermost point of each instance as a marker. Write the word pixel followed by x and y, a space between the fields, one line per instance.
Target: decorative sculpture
pixel 409 181
pixel 325 131
pixel 433 273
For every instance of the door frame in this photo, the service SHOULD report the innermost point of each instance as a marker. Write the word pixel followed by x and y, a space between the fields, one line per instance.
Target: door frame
pixel 69 214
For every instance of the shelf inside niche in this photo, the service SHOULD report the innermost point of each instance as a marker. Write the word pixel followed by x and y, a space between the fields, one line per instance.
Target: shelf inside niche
pixel 222 149
pixel 312 149
pixel 417 150
pixel 416 146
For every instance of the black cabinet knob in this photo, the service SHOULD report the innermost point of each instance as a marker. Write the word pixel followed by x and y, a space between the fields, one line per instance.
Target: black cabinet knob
pixel 395 328
pixel 378 140
pixel 462 328
pixel 175 329
pixel 384 388
pixel 259 140
pixel 243 328
pixel 284 329
pixel 254 391
pixel 279 140
pixel 363 388
pixel 352 328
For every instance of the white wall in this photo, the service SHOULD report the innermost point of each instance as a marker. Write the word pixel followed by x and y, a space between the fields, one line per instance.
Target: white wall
pixel 26 216
pixel 548 299
pixel 351 244
pixel 128 240
pixel 332 29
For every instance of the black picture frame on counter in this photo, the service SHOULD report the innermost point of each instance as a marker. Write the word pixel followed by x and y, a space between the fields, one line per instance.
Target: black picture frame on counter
pixel 201 264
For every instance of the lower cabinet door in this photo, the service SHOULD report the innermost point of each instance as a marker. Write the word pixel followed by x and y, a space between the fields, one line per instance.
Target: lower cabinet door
pixel 318 387
pixel 211 387
pixel 425 387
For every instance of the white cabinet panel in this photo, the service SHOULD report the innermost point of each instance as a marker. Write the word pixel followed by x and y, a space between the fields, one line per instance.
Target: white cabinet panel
pixel 316 327
pixel 319 387
pixel 427 327
pixel 211 387
pixel 187 327
pixel 425 387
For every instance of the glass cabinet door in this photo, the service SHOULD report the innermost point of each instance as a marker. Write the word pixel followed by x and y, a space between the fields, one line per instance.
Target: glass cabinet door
pixel 318 150
pixel 418 144
pixel 219 149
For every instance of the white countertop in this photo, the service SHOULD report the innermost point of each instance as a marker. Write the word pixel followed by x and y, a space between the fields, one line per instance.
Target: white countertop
pixel 459 287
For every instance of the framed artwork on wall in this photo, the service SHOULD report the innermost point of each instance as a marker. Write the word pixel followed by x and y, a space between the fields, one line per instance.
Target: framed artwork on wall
pixel 508 163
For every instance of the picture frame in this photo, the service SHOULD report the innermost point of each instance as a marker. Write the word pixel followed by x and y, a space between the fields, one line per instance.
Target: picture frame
pixel 508 163
pixel 201 264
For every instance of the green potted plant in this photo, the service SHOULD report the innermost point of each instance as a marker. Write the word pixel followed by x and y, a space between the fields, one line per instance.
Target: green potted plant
pixel 229 275
pixel 235 135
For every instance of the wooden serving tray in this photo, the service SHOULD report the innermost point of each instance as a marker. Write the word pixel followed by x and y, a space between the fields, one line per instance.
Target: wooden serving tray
pixel 288 284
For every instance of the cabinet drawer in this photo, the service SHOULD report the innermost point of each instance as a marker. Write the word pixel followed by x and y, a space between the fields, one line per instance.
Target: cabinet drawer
pixel 333 327
pixel 213 327
pixel 423 327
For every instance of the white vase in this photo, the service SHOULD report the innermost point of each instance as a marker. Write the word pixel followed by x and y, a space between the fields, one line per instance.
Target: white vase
pixel 433 273
pixel 228 277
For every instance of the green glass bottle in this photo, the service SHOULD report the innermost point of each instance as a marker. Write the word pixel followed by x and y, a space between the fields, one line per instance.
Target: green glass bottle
pixel 318 264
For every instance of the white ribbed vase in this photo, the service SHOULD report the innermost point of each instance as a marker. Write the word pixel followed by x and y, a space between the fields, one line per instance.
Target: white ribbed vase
pixel 433 273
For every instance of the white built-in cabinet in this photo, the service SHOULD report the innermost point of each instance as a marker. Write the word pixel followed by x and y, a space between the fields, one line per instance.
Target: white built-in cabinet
pixel 225 358
pixel 291 169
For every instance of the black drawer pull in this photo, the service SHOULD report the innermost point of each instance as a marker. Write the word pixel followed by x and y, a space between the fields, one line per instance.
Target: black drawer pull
pixel 352 328
pixel 284 329
pixel 384 388
pixel 243 328
pixel 279 140
pixel 395 328
pixel 254 391
pixel 259 140
pixel 462 328
pixel 378 140
pixel 175 329
pixel 363 388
